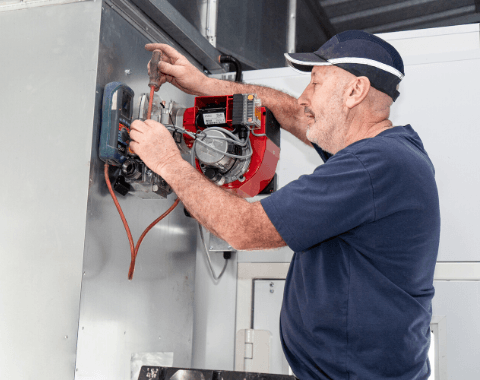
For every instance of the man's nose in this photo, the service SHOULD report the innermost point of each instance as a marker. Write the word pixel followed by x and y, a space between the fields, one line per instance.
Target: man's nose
pixel 304 99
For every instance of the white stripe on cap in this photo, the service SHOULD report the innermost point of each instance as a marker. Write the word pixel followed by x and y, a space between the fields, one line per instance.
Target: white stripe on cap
pixel 369 62
pixel 362 61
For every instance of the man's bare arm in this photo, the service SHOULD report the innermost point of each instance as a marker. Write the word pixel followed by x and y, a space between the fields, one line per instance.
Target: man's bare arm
pixel 177 70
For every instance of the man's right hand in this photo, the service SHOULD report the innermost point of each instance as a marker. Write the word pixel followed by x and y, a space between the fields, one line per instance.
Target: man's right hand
pixel 177 70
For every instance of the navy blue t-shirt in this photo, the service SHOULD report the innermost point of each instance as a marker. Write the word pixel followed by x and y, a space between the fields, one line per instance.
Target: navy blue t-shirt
pixel 365 229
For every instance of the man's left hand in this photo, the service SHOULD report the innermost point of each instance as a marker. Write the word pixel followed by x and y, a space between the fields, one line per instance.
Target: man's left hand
pixel 154 144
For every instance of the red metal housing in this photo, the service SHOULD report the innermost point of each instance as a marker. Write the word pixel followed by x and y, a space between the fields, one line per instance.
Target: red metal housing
pixel 265 152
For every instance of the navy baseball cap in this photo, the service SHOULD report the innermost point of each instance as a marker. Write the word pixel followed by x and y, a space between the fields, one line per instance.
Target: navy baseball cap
pixel 361 54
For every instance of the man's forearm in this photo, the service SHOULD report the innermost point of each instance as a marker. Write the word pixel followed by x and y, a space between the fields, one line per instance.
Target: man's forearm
pixel 243 225
pixel 288 113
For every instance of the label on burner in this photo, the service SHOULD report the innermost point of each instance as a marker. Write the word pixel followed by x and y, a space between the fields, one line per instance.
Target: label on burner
pixel 214 118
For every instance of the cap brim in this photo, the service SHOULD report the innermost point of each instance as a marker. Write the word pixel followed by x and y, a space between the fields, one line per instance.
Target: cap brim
pixel 305 61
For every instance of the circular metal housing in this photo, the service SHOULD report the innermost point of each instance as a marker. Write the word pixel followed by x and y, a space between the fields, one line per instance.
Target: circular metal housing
pixel 210 157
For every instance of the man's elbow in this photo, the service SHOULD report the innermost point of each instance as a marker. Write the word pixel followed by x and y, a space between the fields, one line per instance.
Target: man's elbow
pixel 240 242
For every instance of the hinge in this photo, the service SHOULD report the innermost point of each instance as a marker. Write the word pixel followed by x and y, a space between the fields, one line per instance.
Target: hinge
pixel 252 352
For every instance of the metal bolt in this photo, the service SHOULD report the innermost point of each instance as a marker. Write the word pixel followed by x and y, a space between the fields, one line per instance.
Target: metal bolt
pixel 271 290
pixel 155 188
pixel 272 284
pixel 128 72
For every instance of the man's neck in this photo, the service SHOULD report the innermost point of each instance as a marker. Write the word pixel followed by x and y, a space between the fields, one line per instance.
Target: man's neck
pixel 368 131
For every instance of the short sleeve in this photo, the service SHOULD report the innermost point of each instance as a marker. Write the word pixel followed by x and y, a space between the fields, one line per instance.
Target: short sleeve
pixel 335 198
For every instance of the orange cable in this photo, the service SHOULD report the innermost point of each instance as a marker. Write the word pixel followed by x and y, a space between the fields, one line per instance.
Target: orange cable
pixel 132 263
pixel 122 216
pixel 134 250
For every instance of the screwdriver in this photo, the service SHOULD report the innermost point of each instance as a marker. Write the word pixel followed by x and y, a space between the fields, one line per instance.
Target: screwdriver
pixel 154 78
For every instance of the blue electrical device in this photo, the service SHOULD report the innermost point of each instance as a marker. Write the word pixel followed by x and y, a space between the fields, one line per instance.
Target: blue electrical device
pixel 117 110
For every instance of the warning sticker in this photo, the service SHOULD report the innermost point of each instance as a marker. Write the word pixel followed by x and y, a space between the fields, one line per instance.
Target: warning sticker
pixel 214 118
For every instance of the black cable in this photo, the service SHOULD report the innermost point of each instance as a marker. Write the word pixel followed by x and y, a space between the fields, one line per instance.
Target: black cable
pixel 224 58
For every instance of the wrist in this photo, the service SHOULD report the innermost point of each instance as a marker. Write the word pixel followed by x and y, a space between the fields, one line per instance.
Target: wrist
pixel 168 169
pixel 212 86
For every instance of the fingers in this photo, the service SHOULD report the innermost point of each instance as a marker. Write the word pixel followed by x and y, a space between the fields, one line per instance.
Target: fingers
pixel 167 50
pixel 137 125
pixel 137 129
pixel 166 68
pixel 152 124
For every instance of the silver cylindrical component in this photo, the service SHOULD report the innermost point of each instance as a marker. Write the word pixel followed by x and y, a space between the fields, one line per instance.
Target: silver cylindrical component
pixel 211 157
pixel 165 118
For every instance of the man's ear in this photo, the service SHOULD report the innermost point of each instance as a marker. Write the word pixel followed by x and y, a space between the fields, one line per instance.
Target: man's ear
pixel 357 91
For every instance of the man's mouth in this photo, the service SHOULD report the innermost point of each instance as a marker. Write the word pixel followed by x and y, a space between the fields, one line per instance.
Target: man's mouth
pixel 309 113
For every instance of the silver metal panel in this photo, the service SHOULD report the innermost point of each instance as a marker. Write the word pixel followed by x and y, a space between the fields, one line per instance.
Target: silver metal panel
pixel 153 312
pixel 459 302
pixel 267 303
pixel 48 73
pixel 10 5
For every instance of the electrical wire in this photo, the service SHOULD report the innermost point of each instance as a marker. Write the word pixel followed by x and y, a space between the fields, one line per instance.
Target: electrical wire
pixel 216 278
pixel 134 249
pixel 235 140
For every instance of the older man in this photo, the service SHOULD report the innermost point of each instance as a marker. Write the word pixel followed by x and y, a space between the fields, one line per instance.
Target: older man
pixel 364 226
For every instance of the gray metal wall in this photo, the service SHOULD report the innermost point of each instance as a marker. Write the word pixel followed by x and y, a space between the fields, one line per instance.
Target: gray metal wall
pixel 153 313
pixel 63 247
pixel 48 64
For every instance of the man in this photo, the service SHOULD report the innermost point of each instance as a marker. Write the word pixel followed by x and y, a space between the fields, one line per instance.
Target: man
pixel 364 226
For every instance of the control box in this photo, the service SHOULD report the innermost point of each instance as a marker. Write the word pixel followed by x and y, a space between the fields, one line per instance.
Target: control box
pixel 117 110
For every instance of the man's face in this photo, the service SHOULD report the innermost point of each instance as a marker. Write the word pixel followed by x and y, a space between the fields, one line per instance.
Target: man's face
pixel 324 104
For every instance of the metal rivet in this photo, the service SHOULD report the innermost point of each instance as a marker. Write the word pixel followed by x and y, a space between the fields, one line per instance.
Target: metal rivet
pixel 271 290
